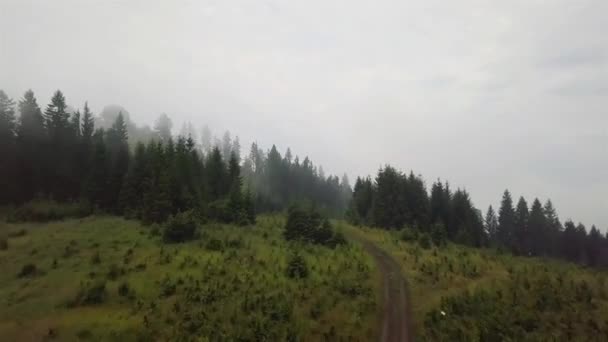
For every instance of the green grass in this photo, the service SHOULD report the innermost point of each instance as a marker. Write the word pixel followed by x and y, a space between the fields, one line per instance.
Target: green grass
pixel 487 295
pixel 186 291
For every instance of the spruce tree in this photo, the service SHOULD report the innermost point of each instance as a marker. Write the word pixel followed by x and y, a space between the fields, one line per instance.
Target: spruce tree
pixel 506 221
pixel 118 153
pixel 537 230
pixel 31 147
pixel 491 224
pixel 8 151
pixel 521 234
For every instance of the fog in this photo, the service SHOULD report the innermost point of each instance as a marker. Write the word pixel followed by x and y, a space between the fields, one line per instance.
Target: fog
pixel 488 95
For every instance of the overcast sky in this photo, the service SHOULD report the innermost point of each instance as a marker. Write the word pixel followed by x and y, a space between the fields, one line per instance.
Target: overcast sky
pixel 487 94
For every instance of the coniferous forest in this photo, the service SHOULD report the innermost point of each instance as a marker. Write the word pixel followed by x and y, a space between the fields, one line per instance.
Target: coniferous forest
pixel 168 236
pixel 394 200
pixel 59 153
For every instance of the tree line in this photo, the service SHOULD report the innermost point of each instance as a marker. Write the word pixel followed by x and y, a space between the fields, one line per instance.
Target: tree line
pixel 395 200
pixel 61 153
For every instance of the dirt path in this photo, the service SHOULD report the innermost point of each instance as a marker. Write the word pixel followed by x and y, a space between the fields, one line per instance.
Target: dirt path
pixel 395 322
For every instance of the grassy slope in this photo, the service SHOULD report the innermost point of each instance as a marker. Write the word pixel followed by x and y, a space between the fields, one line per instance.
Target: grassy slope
pixel 239 292
pixel 514 285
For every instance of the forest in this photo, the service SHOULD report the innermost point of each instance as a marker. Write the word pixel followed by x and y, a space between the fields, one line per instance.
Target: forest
pixel 62 154
pixel 394 200
pixel 154 235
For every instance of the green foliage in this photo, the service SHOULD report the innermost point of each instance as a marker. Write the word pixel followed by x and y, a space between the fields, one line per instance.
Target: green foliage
pixel 3 243
pixel 309 226
pixel 472 294
pixel 180 228
pixel 178 292
pixel 296 267
pixel 90 293
pixel 408 234
pixel 48 210
pixel 28 270
pixel 424 241
pixel 214 245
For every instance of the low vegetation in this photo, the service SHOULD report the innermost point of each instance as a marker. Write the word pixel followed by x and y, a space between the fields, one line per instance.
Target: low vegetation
pixel 107 278
pixel 461 293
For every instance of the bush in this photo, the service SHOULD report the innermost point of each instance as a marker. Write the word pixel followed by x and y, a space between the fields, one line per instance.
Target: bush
pixel 214 245
pixel 296 267
pixel 28 270
pixel 124 290
pixel 438 234
pixel 115 272
pixel 95 259
pixel 219 211
pixel 91 293
pixel 17 233
pixel 180 228
pixel 48 210
pixel 3 243
pixel 408 235
pixel 424 241
pixel 310 226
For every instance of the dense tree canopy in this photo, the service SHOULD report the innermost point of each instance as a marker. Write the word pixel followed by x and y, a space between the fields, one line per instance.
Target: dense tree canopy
pixel 394 200
pixel 72 156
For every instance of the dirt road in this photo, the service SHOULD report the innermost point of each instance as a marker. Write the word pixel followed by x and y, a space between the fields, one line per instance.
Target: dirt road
pixel 395 326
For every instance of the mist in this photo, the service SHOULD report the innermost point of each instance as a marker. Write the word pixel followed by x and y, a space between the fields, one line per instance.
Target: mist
pixel 487 96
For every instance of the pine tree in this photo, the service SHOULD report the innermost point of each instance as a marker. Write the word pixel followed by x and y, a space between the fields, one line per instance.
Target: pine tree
pixel 537 230
pixel 388 205
pixel 521 234
pixel 506 221
pixel 97 180
pixel 8 151
pixel 56 118
pixel 553 228
pixel 594 247
pixel 163 126
pixel 118 149
pixel 31 147
pixel 217 178
pixel 491 224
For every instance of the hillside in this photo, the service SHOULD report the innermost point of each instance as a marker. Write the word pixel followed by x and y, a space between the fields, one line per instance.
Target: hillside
pixel 107 278
pixel 471 294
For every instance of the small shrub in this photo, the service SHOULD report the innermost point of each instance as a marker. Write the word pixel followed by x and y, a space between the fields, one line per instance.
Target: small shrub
pixel 424 241
pixel 214 245
pixel 48 210
pixel 95 259
pixel 408 235
pixel 17 233
pixel 28 270
pixel 91 293
pixel 296 267
pixel 180 228
pixel 3 243
pixel 124 290
pixel 438 234
pixel 220 211
pixel 114 272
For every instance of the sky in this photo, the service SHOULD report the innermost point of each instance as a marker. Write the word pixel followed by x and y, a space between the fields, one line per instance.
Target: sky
pixel 486 94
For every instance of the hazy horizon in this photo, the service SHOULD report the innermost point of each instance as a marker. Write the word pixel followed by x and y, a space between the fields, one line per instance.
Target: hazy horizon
pixel 486 96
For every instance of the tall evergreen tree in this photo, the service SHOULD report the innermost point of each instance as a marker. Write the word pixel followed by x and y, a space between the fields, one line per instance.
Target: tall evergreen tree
pixel 31 146
pixel 8 152
pixel 163 126
pixel 491 224
pixel 388 205
pixel 521 236
pixel 506 221
pixel 537 223
pixel 118 148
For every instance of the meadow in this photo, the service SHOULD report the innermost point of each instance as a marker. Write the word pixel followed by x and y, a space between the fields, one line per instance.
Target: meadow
pixel 460 293
pixel 107 278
